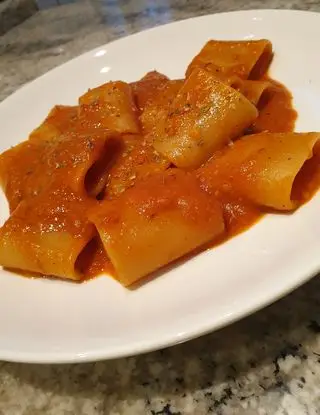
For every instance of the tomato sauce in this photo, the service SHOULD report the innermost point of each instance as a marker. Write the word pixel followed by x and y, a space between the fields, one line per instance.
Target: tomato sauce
pixel 93 260
pixel 276 113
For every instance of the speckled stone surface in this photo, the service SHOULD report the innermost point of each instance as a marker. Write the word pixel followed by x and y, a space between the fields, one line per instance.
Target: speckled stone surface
pixel 267 364
pixel 13 12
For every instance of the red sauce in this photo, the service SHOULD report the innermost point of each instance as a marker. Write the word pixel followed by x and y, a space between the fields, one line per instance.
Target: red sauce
pixel 307 181
pixel 239 216
pixel 93 260
pixel 276 113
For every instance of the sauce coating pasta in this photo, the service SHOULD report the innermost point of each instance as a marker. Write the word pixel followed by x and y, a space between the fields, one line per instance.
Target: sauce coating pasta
pixel 139 175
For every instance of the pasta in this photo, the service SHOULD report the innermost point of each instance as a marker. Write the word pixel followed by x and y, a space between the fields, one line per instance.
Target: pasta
pixel 138 160
pixel 254 90
pixel 139 175
pixel 274 98
pixel 261 168
pixel 49 240
pixel 168 211
pixel 51 163
pixel 243 59
pixel 158 106
pixel 110 106
pixel 60 119
pixel 203 117
pixel 147 88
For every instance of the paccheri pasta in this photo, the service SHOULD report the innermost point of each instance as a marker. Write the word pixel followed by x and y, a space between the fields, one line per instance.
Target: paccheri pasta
pixel 138 175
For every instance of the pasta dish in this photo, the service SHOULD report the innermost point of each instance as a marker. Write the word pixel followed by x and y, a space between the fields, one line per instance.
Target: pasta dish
pixel 140 174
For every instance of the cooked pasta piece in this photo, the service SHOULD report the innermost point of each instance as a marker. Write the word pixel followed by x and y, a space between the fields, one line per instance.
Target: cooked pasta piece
pixel 97 176
pixel 136 160
pixel 32 166
pixel 147 88
pixel 93 260
pixel 205 115
pixel 254 90
pixel 276 113
pixel 141 174
pixel 156 222
pixel 307 181
pixel 261 168
pixel 157 107
pixel 245 59
pixel 125 160
pixel 110 106
pixel 46 235
pixel 60 119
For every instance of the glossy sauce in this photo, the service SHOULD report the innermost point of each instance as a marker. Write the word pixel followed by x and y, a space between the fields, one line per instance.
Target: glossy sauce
pixel 240 215
pixel 307 181
pixel 93 260
pixel 276 113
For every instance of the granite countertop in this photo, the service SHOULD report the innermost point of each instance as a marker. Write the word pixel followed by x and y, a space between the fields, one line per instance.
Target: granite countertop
pixel 268 363
pixel 13 12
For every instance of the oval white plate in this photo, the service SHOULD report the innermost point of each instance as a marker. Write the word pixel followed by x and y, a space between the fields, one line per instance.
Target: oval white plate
pixel 55 321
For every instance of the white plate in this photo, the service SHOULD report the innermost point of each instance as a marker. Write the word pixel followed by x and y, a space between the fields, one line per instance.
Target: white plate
pixel 55 321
